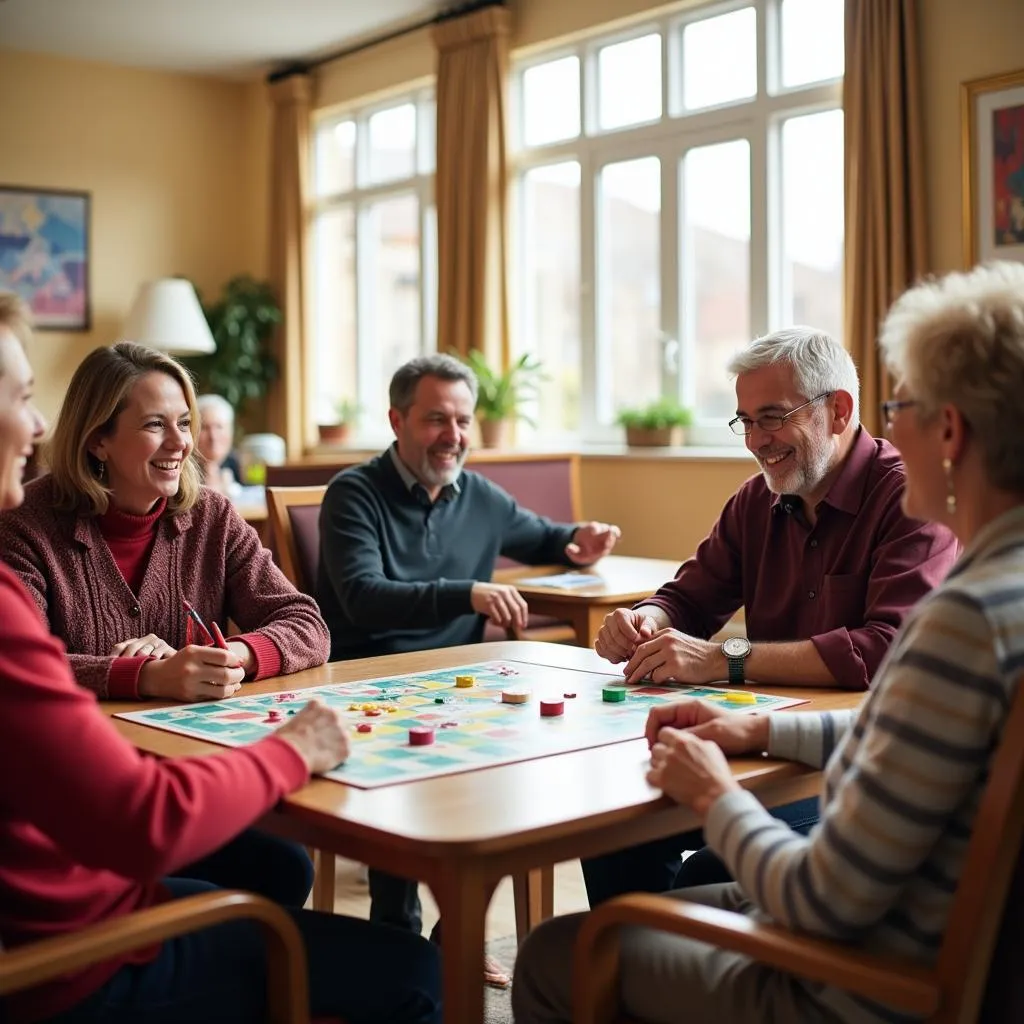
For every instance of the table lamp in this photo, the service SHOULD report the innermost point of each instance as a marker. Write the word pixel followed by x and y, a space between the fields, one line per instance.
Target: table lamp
pixel 166 315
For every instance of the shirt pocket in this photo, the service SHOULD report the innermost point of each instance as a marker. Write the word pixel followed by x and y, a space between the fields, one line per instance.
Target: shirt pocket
pixel 842 600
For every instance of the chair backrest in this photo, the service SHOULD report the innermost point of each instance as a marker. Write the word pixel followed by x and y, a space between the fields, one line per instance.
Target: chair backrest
pixel 993 856
pixel 295 527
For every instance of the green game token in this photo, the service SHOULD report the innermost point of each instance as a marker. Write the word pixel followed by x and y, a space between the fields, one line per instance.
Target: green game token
pixel 439 700
pixel 613 694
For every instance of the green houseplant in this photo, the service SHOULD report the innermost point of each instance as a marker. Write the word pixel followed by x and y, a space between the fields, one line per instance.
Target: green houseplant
pixel 242 322
pixel 501 393
pixel 346 415
pixel 659 423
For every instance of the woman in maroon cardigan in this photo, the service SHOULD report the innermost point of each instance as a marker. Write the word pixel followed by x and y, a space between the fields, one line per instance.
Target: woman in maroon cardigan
pixel 89 828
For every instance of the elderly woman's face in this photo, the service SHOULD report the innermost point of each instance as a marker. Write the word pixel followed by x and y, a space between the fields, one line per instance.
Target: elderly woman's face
pixel 924 495
pixel 151 440
pixel 214 441
pixel 21 423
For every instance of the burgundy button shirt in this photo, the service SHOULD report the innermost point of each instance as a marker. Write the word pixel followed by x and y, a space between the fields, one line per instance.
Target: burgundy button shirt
pixel 844 583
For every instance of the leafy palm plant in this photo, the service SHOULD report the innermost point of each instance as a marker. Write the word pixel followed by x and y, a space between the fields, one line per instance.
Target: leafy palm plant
pixel 501 393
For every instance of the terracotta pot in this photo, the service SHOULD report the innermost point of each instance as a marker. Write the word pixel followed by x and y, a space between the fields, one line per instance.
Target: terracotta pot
pixel 661 437
pixel 492 433
pixel 334 433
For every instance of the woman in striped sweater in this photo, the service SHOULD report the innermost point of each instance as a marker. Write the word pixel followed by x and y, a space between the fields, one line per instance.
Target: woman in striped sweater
pixel 903 775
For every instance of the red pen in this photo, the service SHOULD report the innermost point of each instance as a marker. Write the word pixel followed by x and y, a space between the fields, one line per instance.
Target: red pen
pixel 218 636
pixel 194 616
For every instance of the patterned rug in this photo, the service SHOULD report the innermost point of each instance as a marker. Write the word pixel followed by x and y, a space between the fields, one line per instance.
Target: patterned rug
pixel 498 1002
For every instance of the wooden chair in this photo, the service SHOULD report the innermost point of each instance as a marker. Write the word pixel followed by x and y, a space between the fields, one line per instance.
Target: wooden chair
pixel 951 992
pixel 287 985
pixel 295 530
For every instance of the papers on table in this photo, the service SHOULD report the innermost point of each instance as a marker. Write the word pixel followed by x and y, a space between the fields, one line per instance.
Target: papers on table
pixel 563 581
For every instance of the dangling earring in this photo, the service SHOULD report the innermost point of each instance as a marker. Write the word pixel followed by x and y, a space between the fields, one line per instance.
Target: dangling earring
pixel 947 465
pixel 101 470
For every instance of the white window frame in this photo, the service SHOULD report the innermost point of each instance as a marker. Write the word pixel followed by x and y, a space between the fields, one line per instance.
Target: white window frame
pixel 758 120
pixel 373 426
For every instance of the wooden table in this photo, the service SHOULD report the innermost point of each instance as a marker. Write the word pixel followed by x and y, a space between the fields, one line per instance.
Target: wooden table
pixel 463 833
pixel 625 581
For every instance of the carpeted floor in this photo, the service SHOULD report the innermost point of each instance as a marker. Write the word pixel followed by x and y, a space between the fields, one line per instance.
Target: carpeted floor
pixel 498 1002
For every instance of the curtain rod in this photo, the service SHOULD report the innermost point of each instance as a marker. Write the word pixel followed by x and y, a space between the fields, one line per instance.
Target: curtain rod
pixel 304 67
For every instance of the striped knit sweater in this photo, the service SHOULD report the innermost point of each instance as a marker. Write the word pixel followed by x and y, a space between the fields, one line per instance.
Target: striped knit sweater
pixel 903 775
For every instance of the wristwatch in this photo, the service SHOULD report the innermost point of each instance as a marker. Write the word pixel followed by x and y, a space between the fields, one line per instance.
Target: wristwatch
pixel 736 649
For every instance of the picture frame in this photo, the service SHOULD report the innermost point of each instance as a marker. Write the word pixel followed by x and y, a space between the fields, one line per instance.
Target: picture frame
pixel 44 254
pixel 992 123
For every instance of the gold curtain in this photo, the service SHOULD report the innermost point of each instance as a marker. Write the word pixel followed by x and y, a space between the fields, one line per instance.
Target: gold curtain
pixel 289 142
pixel 886 247
pixel 471 183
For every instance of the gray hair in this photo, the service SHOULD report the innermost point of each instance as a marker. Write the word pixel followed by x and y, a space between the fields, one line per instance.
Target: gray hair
pixel 959 340
pixel 218 402
pixel 402 392
pixel 820 364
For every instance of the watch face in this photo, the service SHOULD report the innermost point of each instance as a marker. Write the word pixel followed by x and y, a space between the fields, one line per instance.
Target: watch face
pixel 736 647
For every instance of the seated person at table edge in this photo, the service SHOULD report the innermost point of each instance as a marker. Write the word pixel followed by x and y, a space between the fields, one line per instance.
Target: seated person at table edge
pixel 120 533
pixel 79 847
pixel 409 540
pixel 816 549
pixel 408 544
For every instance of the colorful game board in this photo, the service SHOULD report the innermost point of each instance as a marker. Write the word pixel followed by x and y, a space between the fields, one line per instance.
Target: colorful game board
pixel 472 727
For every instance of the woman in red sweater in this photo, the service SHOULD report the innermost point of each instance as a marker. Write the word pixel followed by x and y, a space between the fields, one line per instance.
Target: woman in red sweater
pixel 82 846
pixel 120 534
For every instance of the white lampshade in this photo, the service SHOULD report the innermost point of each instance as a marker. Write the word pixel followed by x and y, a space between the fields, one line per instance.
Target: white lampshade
pixel 166 315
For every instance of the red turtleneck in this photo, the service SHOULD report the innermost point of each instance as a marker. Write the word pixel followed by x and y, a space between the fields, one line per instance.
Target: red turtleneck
pixel 130 539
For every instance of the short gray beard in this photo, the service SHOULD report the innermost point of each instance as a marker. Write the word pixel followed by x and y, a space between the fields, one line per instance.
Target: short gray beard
pixel 434 478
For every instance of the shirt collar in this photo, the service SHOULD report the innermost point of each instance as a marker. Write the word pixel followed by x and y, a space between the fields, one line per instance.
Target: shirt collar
pixel 448 492
pixel 847 490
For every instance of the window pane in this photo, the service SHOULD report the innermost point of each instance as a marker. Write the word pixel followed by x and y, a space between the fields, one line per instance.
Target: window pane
pixel 812 41
pixel 550 314
pixel 720 59
pixel 392 143
pixel 391 279
pixel 629 285
pixel 629 82
pixel 335 158
pixel 551 101
pixel 715 268
pixel 334 311
pixel 812 220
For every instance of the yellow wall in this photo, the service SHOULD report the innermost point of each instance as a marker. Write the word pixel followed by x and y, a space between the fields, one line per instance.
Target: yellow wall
pixel 959 42
pixel 176 165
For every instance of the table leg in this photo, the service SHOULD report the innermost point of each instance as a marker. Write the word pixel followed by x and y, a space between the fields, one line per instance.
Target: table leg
pixel 534 899
pixel 323 880
pixel 462 896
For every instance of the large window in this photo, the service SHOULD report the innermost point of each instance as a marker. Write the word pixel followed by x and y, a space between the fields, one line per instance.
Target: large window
pixel 679 190
pixel 374 253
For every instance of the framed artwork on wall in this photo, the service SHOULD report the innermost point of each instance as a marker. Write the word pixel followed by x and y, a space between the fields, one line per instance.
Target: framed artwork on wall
pixel 993 167
pixel 44 254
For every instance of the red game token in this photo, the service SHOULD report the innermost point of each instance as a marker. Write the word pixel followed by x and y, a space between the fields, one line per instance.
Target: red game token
pixel 552 708
pixel 420 736
pixel 569 696
pixel 364 727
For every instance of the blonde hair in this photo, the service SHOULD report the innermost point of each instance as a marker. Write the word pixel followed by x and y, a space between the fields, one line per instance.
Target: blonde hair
pixel 15 316
pixel 96 396
pixel 959 340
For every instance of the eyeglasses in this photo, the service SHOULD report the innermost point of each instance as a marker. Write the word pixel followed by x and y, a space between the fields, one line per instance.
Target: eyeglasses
pixel 893 406
pixel 771 422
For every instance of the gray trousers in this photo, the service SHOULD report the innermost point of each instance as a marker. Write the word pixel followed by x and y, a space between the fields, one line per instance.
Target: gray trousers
pixel 666 979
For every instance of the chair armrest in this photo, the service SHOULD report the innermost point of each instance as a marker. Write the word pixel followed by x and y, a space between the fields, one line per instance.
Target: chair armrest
pixel 287 983
pixel 898 983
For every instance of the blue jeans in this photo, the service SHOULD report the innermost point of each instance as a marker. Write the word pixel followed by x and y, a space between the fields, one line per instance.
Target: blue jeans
pixel 658 866
pixel 358 971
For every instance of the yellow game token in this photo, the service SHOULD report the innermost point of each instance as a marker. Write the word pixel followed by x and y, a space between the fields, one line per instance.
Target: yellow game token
pixel 392 710
pixel 742 697
pixel 462 682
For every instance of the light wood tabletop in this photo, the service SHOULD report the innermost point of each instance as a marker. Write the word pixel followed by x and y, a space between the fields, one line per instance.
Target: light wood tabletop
pixel 624 581
pixel 461 834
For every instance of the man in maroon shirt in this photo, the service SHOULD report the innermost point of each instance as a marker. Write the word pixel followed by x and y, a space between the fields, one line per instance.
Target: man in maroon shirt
pixel 817 550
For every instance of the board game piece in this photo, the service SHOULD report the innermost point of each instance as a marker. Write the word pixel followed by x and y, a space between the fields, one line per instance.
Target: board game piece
pixel 273 716
pixel 464 682
pixel 373 712
pixel 449 725
pixel 364 727
pixel 569 696
pixel 515 696
pixel 552 708
pixel 487 731
pixel 420 736
pixel 613 694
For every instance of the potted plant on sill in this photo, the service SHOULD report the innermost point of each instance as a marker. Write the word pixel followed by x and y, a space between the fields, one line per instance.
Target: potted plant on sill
pixel 339 430
pixel 501 394
pixel 658 424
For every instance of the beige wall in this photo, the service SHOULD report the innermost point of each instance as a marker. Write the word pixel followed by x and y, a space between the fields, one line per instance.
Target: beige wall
pixel 959 41
pixel 176 165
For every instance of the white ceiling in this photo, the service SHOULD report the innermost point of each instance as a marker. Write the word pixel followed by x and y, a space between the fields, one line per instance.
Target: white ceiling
pixel 232 38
